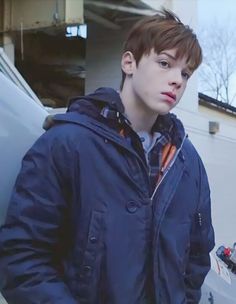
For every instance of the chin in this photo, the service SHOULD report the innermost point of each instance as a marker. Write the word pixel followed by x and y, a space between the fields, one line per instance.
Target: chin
pixel 161 108
pixel 162 111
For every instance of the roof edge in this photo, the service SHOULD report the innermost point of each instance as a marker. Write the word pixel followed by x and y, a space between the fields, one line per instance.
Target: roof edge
pixel 204 99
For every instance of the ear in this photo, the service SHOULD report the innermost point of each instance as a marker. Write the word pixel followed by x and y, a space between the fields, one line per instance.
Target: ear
pixel 128 63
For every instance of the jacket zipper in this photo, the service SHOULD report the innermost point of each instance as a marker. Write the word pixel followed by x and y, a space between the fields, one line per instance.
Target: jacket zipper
pixel 168 169
pixel 109 137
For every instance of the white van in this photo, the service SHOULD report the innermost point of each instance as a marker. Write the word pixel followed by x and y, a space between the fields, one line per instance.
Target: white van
pixel 21 118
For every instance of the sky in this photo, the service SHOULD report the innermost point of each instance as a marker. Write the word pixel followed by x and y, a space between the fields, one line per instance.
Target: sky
pixel 223 14
pixel 210 12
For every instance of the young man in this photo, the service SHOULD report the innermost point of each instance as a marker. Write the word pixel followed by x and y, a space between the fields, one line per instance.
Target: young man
pixel 112 203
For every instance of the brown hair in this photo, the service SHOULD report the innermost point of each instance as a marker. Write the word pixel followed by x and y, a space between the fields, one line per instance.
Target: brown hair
pixel 163 31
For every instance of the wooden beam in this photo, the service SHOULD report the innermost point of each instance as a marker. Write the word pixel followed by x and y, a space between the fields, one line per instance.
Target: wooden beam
pixel 101 20
pixel 132 10
pixel 139 3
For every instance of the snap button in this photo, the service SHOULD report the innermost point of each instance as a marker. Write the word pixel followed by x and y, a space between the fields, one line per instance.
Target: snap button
pixel 132 207
pixel 93 239
pixel 142 139
pixel 87 270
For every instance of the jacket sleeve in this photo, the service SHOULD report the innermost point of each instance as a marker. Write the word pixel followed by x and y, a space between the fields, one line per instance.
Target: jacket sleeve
pixel 30 236
pixel 201 242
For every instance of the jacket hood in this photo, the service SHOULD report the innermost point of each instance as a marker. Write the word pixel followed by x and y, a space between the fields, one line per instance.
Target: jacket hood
pixel 91 105
pixel 107 98
pixel 99 99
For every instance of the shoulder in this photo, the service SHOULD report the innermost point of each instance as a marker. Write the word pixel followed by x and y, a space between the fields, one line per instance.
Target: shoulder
pixel 193 160
pixel 190 150
pixel 68 130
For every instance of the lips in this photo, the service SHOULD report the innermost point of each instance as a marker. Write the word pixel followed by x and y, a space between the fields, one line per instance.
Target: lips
pixel 170 97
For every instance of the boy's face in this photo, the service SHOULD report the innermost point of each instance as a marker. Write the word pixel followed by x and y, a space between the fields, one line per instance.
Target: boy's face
pixel 159 81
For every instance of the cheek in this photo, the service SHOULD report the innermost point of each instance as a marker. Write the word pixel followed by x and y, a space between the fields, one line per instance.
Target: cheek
pixel 141 82
pixel 181 93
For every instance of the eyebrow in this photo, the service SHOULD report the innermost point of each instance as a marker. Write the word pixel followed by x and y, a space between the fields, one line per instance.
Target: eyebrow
pixel 167 54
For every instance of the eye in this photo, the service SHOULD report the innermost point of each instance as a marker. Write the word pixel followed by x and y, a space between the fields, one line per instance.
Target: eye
pixel 186 75
pixel 164 64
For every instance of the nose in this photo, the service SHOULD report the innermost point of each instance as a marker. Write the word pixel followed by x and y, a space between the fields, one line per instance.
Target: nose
pixel 176 78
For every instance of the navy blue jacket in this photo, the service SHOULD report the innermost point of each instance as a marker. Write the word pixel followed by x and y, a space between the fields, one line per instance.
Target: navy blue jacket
pixel 83 225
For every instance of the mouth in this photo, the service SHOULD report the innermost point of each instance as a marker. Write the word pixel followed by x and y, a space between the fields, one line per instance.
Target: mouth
pixel 170 97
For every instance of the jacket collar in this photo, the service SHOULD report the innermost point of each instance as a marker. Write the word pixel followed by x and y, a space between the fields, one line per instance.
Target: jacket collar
pixel 106 107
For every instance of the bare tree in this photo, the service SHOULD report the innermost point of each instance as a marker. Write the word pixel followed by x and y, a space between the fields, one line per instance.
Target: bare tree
pixel 219 62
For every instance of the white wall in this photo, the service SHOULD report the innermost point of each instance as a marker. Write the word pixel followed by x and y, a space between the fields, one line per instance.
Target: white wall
pixel 218 153
pixel 103 53
pixel 9 48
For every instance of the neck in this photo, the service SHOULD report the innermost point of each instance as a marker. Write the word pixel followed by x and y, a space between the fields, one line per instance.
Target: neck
pixel 140 116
